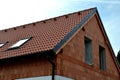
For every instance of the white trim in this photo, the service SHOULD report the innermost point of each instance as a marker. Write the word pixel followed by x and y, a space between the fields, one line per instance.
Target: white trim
pixel 57 77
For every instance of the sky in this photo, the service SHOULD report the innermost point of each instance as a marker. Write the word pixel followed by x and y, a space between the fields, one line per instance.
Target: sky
pixel 19 12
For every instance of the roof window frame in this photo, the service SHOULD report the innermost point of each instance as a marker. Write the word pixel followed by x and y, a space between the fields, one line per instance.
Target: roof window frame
pixel 3 44
pixel 15 46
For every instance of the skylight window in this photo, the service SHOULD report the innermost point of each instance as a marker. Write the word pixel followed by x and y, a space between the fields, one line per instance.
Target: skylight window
pixel 2 44
pixel 19 43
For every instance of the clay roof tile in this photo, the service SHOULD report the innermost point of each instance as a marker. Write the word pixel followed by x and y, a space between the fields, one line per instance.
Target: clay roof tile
pixel 46 34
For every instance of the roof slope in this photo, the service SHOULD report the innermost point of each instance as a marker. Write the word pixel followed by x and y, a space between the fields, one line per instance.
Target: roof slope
pixel 47 35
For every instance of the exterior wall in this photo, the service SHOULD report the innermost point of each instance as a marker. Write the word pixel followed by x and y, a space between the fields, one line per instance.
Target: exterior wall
pixel 25 68
pixel 71 62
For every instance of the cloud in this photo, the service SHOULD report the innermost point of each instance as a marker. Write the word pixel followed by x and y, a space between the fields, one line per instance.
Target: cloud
pixel 101 1
pixel 17 12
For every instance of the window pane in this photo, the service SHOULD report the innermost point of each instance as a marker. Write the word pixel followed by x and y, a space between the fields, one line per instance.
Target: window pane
pixel 2 44
pixel 102 58
pixel 88 51
pixel 19 43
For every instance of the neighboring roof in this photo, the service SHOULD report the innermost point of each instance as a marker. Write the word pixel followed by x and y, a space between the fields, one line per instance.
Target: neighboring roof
pixel 46 35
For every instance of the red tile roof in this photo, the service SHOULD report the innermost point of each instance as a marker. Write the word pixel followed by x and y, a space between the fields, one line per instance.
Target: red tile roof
pixel 46 34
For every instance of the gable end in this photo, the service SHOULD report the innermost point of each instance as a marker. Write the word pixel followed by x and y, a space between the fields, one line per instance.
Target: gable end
pixel 61 44
pixel 107 40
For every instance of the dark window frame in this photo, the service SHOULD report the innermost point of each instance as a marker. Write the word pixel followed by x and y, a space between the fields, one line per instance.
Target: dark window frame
pixel 88 51
pixel 102 58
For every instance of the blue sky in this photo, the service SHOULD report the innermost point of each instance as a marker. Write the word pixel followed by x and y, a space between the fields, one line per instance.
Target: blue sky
pixel 18 12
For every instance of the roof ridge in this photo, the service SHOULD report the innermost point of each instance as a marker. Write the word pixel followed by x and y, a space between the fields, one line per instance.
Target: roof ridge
pixel 46 19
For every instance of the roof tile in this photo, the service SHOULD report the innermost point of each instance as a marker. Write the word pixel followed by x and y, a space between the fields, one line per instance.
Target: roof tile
pixel 46 34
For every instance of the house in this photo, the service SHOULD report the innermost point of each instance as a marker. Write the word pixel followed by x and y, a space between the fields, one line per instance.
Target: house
pixel 69 47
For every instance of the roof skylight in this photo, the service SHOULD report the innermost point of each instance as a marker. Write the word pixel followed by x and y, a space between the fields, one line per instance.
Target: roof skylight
pixel 2 44
pixel 19 43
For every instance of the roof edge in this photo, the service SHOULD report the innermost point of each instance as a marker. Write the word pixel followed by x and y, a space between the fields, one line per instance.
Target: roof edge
pixel 42 20
pixel 70 34
pixel 109 44
pixel 44 53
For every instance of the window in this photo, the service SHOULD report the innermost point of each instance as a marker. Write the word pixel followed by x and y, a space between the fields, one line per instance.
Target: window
pixel 19 43
pixel 102 58
pixel 2 44
pixel 88 51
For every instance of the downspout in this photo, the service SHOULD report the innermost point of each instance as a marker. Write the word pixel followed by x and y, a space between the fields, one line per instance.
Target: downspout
pixel 53 67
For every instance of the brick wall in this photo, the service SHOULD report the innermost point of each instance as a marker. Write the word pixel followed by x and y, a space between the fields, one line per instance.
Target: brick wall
pixel 71 62
pixel 25 68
